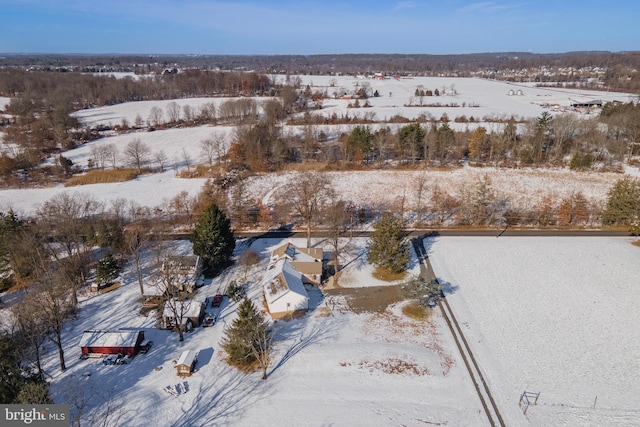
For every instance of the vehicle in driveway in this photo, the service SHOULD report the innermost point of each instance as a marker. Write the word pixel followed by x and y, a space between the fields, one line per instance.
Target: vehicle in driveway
pixel 209 320
pixel 217 300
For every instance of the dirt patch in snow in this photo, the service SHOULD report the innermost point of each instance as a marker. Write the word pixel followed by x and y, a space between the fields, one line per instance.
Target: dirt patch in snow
pixel 374 299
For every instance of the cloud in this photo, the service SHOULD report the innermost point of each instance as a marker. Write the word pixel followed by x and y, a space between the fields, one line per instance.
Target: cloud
pixel 473 7
pixel 405 5
pixel 489 7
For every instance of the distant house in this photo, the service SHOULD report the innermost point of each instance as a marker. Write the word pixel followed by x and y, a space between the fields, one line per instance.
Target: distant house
pixel 188 312
pixel 284 290
pixel 111 342
pixel 186 363
pixel 587 104
pixel 307 261
pixel 188 269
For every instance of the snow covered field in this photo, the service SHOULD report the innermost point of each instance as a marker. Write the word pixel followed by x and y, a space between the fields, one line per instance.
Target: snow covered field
pixel 552 315
pixel 329 367
pixel 523 187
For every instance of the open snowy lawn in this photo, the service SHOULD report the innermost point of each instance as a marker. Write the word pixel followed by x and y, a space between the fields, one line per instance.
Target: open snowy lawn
pixel 112 115
pixel 471 96
pixel 146 190
pixel 552 315
pixel 329 367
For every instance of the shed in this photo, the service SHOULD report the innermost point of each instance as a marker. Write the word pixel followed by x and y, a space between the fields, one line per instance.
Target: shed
pixel 186 363
pixel 111 342
pixel 188 312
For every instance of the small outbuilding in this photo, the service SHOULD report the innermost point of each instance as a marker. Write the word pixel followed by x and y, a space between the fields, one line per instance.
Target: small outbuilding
pixel 190 313
pixel 111 342
pixel 186 363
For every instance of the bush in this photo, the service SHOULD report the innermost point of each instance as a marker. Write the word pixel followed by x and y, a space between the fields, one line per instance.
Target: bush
pixel 234 291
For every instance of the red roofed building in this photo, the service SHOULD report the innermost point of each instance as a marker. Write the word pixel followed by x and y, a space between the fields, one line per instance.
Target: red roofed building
pixel 111 342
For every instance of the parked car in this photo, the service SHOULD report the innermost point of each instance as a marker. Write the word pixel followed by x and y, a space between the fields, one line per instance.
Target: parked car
pixel 209 320
pixel 110 359
pixel 123 360
pixel 217 300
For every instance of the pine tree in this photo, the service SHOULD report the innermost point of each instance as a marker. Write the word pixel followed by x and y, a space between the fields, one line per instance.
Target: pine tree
pixel 248 339
pixel 213 239
pixel 387 248
pixel 623 202
pixel 108 269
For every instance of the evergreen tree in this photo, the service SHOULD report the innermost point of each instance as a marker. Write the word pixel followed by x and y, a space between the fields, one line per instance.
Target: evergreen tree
pixel 10 376
pixel 387 248
pixel 108 269
pixel 359 144
pixel 248 339
pixel 623 202
pixel 9 225
pixel 213 239
pixel 411 141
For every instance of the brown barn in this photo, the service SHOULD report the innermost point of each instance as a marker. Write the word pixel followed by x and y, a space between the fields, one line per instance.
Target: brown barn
pixel 111 342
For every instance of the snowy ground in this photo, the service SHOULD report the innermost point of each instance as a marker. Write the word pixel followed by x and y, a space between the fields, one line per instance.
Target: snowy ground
pixel 375 189
pixel 549 315
pixel 330 367
pixel 552 315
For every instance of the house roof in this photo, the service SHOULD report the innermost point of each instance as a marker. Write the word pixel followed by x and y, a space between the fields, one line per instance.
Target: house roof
pixel 187 262
pixel 109 338
pixel 282 278
pixel 187 358
pixel 297 254
pixel 188 308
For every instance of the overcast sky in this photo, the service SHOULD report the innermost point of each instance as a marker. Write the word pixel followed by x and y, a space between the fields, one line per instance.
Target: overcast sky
pixel 317 27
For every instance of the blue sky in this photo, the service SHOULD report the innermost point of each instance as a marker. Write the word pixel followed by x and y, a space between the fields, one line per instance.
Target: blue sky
pixel 317 27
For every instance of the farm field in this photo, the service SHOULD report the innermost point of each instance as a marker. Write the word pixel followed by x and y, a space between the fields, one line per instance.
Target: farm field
pixel 551 315
pixel 523 187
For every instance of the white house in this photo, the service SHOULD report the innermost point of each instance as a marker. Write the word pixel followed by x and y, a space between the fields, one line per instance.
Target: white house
pixel 307 261
pixel 284 289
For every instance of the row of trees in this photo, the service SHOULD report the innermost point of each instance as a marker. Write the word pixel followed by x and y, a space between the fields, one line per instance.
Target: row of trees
pixel 563 140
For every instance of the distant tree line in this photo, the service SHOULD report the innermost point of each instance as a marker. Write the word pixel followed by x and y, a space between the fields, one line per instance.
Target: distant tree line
pixel 614 69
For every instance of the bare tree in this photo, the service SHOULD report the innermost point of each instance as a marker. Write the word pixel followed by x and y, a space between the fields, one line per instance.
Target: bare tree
pixel 138 122
pixel 173 112
pixel 247 260
pixel 186 157
pixel 187 112
pixel 135 237
pixel 261 348
pixel 176 301
pixel 111 152
pixel 155 116
pixel 307 195
pixel 137 154
pixel 54 300
pixel 420 188
pixel 161 158
pixel 182 206
pixel 31 327
pixel 209 149
pixel 99 155
pixel 338 221
pixel 68 219
pixel 222 145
